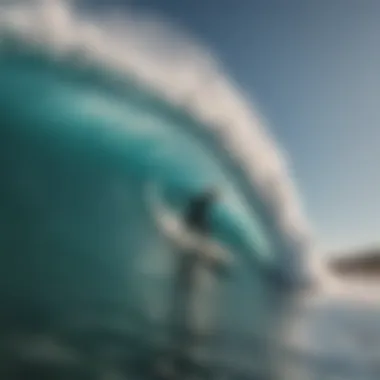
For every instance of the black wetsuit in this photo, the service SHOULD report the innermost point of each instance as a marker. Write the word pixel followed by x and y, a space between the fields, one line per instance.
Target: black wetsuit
pixel 197 213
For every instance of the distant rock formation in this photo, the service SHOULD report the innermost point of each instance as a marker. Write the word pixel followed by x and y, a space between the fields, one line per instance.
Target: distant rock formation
pixel 363 263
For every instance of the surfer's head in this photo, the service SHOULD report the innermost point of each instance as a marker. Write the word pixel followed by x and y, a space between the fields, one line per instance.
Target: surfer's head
pixel 199 208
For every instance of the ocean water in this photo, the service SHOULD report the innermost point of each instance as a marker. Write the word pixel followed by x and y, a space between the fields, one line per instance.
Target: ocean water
pixel 88 128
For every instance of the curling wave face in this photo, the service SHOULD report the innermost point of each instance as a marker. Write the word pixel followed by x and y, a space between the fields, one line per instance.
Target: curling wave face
pixel 88 126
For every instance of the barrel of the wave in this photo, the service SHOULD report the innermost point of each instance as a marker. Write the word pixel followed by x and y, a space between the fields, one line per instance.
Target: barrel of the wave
pixel 77 229
pixel 81 257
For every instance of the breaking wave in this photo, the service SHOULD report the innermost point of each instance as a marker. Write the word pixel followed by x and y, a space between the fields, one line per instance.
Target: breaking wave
pixel 169 107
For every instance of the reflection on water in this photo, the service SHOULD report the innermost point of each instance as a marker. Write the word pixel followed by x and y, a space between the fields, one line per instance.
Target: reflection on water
pixel 101 353
pixel 342 341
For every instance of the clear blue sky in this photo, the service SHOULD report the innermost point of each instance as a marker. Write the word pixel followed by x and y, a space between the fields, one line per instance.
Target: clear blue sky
pixel 313 68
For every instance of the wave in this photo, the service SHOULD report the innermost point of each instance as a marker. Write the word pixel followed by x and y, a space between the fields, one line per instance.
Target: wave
pixel 180 81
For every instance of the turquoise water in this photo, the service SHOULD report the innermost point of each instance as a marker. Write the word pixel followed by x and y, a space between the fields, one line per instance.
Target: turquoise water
pixel 80 147
pixel 57 115
pixel 145 142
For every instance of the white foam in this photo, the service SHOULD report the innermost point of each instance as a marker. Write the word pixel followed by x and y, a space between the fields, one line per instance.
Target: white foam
pixel 180 70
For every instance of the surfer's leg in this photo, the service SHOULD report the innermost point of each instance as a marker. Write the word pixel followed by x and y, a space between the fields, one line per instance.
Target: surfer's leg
pixel 173 364
pixel 184 338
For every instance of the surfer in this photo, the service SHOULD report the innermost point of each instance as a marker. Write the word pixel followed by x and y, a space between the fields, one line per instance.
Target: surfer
pixel 197 221
pixel 197 254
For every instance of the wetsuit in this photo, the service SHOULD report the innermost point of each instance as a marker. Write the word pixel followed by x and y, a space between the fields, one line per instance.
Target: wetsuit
pixel 197 214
